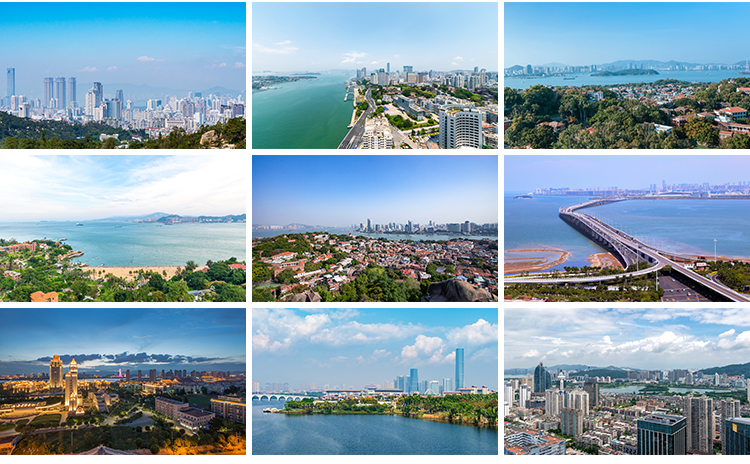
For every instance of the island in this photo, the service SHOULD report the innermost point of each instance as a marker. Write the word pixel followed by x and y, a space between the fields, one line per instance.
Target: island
pixel 627 72
pixel 261 83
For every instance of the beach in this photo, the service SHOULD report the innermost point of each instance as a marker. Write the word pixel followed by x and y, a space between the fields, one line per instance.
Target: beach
pixel 604 260
pixel 536 263
pixel 131 272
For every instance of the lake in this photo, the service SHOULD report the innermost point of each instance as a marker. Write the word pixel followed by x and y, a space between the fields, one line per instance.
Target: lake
pixel 363 434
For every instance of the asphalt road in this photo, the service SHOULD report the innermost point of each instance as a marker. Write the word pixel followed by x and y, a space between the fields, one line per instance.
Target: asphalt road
pixel 354 137
pixel 676 291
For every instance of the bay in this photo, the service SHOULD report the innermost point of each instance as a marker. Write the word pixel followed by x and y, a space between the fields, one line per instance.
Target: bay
pixel 684 226
pixel 534 224
pixel 347 231
pixel 302 114
pixel 139 244
pixel 586 79
pixel 363 434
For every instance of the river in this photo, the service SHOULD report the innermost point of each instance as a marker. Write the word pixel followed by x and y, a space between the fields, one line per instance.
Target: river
pixel 363 434
pixel 302 114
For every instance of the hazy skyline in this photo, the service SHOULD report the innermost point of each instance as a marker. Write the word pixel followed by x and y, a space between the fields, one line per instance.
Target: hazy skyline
pixel 324 36
pixel 103 340
pixel 355 347
pixel 524 173
pixel 191 46
pixel 642 338
pixel 75 188
pixel 603 32
pixel 342 190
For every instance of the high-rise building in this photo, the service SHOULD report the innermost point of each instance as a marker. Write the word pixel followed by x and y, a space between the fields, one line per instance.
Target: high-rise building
pixel 139 375
pixel 728 409
pixel 388 68
pixel 736 431
pixel 90 103
pixel 382 77
pixel 49 92
pixel 459 362
pixel 661 434
pixel 542 379
pixel 60 92
pixel 71 386
pixel 524 395
pixel 554 401
pixel 571 422
pixel 413 381
pixel 72 98
pixel 127 375
pixel 509 393
pixel 98 89
pixel 460 127
pixel 152 375
pixel 447 385
pixel 369 225
pixel 11 82
pixel 592 388
pixel 699 414
pixel 55 373
pixel 408 69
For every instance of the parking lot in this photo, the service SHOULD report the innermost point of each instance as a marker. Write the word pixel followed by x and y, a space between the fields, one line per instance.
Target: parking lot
pixel 676 291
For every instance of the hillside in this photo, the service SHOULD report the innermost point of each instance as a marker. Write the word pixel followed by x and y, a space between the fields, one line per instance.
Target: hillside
pixel 18 132
pixel 731 369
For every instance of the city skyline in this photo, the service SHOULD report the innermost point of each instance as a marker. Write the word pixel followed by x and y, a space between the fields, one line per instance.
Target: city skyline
pixel 346 190
pixel 605 32
pixel 75 188
pixel 524 173
pixel 102 342
pixel 325 36
pixel 355 347
pixel 137 45
pixel 641 338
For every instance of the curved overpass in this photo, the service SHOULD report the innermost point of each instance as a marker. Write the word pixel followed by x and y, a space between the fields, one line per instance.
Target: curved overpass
pixel 626 248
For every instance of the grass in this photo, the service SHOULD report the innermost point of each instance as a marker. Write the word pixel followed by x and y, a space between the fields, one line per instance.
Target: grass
pixel 200 400
pixel 5 427
pixel 49 420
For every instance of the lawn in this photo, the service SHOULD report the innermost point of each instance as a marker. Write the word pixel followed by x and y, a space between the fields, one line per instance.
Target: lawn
pixel 200 400
pixel 5 427
pixel 47 420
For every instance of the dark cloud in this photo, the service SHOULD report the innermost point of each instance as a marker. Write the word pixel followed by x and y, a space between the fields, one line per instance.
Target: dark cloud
pixel 66 358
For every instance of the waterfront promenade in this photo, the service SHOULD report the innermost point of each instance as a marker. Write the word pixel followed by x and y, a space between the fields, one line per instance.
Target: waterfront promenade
pixel 354 137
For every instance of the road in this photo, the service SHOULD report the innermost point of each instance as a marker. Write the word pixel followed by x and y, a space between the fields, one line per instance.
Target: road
pixel 354 137
pixel 676 291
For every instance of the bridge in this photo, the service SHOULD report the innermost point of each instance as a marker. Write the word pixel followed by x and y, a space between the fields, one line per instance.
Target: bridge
pixel 279 397
pixel 627 249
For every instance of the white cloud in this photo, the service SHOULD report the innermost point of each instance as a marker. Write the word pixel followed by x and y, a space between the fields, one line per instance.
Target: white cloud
pixel 373 62
pixel 239 64
pixel 425 347
pixel 353 56
pixel 728 333
pixel 458 58
pixel 454 63
pixel 286 42
pixel 112 68
pixel 149 59
pixel 531 354
pixel 284 50
pixel 88 69
pixel 607 340
pixel 476 334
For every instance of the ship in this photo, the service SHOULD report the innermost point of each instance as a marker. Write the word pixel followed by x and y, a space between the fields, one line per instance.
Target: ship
pixel 78 224
pixel 569 78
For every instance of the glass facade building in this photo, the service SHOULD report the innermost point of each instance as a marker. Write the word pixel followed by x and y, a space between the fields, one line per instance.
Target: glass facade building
pixel 737 436
pixel 413 381
pixel 459 368
pixel 542 379
pixel 661 434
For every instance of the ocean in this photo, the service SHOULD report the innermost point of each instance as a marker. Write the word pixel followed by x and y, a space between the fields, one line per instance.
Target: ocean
pixel 302 114
pixel 346 231
pixel 680 226
pixel 586 79
pixel 138 244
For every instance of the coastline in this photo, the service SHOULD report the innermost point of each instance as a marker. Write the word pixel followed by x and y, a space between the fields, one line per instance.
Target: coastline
pixel 425 416
pixel 534 264
pixel 129 273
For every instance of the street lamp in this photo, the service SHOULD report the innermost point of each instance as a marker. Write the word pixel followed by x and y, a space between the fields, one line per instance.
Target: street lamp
pixel 714 252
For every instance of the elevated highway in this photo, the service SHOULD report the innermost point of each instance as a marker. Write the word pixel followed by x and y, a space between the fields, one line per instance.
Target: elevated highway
pixel 627 249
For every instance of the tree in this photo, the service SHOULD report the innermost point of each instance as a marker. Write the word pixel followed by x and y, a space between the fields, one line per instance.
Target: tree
pixel 700 130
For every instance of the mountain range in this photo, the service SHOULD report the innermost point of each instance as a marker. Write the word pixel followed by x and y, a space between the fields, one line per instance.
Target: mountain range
pixel 731 369
pixel 628 63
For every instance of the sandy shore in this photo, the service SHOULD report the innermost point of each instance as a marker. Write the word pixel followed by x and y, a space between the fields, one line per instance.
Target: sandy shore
pixel 130 272
pixel 604 260
pixel 514 265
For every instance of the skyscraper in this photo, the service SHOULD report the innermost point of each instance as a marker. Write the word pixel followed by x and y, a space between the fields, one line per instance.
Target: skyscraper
pixel 90 103
pixel 661 434
pixel 571 422
pixel 55 373
pixel 542 379
pixel 413 381
pixel 98 93
pixel 49 92
pixel 459 364
pixel 592 388
pixel 72 92
pixel 408 69
pixel 460 127
pixel 728 409
pixel 388 67
pixel 699 413
pixel 71 386
pixel 60 94
pixel 11 82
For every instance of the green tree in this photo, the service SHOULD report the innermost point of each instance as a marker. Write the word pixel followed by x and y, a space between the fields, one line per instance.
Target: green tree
pixel 700 130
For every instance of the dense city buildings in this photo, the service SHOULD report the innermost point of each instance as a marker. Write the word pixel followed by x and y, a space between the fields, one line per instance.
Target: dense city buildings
pixel 230 407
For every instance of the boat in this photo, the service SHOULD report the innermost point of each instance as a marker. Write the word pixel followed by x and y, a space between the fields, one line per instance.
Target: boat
pixel 569 78
pixel 78 224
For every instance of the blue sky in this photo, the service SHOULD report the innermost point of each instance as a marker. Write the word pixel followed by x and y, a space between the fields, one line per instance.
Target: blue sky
pixel 104 340
pixel 345 190
pixel 642 338
pixel 594 33
pixel 355 347
pixel 524 173
pixel 175 45
pixel 322 36
pixel 94 187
